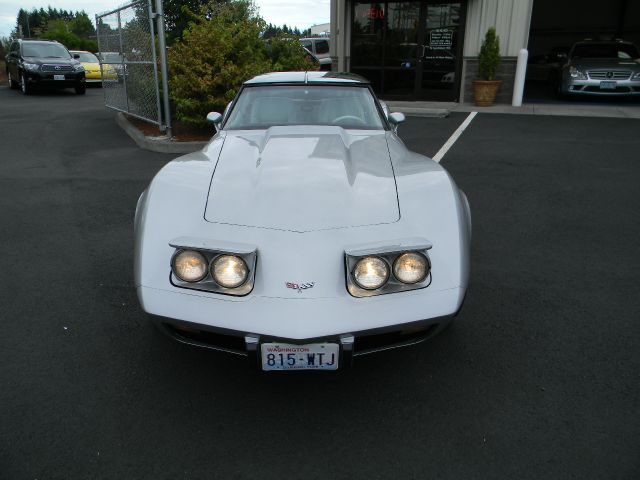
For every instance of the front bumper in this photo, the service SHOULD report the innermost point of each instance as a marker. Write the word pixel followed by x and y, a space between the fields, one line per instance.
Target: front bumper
pixel 359 326
pixel 71 79
pixel 351 344
pixel 574 86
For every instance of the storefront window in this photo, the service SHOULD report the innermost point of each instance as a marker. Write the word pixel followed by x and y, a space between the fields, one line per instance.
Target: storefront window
pixel 368 25
pixel 408 49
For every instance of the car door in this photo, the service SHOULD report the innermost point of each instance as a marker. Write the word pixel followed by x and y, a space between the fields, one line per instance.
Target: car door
pixel 12 60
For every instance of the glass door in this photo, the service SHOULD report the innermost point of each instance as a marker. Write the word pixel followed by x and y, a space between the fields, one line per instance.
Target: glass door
pixel 440 63
pixel 401 48
pixel 409 49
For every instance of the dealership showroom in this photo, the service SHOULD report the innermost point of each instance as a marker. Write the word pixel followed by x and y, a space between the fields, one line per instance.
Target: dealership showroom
pixel 428 50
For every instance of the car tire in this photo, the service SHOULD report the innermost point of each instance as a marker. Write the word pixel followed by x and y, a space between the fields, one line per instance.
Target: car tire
pixel 13 85
pixel 81 89
pixel 561 94
pixel 25 88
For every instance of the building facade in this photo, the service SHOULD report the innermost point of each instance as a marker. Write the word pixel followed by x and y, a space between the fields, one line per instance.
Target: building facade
pixel 428 49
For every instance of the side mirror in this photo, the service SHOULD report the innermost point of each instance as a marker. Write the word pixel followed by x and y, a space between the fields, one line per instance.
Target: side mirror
pixel 76 56
pixel 214 117
pixel 396 118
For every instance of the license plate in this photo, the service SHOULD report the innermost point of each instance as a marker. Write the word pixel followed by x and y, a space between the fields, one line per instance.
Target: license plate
pixel 314 356
pixel 58 77
pixel 608 85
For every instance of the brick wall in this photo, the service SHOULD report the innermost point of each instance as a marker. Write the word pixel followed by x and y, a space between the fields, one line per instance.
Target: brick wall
pixel 506 73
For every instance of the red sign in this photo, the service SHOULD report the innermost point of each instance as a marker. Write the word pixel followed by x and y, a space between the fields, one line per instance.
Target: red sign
pixel 374 13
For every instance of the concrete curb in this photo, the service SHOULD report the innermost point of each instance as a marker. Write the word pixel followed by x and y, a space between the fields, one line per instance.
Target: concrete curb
pixel 429 109
pixel 415 109
pixel 422 112
pixel 156 144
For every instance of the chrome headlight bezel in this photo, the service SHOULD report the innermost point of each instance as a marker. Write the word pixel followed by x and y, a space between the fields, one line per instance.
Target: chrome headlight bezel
pixel 78 67
pixel 30 67
pixel 389 255
pixel 636 76
pixel 576 73
pixel 211 254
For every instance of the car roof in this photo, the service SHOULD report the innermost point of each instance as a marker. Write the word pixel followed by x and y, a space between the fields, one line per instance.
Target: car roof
pixel 37 40
pixel 314 77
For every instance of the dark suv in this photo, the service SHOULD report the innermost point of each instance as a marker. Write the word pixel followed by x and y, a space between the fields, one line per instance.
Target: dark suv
pixel 33 63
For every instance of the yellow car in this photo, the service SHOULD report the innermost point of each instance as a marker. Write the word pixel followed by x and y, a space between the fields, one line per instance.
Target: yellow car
pixel 92 70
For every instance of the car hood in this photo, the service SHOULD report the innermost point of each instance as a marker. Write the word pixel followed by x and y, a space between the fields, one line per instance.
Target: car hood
pixel 91 66
pixel 303 179
pixel 51 61
pixel 597 63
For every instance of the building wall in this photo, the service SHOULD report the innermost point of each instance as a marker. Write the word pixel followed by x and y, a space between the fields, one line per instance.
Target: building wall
pixel 321 29
pixel 340 34
pixel 511 18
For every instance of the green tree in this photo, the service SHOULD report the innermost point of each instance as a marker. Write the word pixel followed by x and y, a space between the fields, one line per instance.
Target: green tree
pixel 82 26
pixel 178 14
pixel 221 48
pixel 489 58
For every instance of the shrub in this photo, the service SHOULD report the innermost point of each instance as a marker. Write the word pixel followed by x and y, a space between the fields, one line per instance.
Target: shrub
pixel 287 54
pixel 220 49
pixel 489 58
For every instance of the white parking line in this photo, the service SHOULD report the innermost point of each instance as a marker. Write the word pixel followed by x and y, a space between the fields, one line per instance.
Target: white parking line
pixel 452 139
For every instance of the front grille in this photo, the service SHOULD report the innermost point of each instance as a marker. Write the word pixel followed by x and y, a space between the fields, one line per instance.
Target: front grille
pixel 609 74
pixel 594 89
pixel 205 338
pixel 57 68
pixel 382 341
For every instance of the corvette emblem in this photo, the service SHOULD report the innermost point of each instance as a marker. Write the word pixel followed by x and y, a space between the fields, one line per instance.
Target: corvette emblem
pixel 300 287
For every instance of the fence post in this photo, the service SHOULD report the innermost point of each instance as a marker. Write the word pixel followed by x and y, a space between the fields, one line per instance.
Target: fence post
pixel 123 62
pixel 104 91
pixel 162 45
pixel 155 63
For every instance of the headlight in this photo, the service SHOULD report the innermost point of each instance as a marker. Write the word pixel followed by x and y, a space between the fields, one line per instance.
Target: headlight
pixel 575 73
pixel 78 68
pixel 371 273
pixel 229 271
pixel 636 76
pixel 189 266
pixel 411 268
pixel 32 67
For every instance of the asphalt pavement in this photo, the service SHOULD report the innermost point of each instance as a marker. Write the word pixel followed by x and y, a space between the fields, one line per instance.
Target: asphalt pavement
pixel 539 377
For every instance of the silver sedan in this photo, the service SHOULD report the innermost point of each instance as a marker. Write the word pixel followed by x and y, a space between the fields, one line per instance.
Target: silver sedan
pixel 601 68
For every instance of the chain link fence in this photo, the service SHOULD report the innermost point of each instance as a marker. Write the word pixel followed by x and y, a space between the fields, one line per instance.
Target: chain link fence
pixel 127 44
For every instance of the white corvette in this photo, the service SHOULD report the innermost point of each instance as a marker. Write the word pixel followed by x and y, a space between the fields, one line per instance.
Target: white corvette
pixel 305 233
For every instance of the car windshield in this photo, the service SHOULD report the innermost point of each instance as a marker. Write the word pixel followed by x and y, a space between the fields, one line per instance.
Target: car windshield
pixel 87 57
pixel 44 50
pixel 606 50
pixel 266 106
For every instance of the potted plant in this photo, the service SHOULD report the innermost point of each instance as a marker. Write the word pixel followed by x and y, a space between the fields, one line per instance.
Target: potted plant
pixel 486 88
